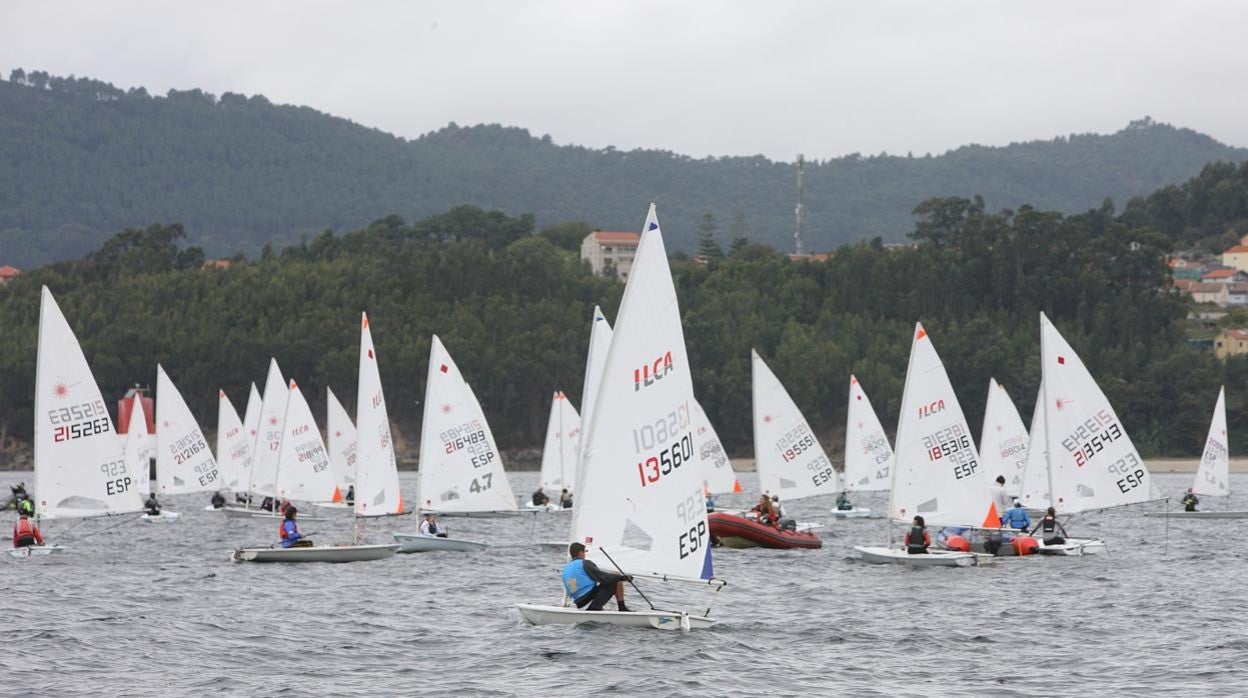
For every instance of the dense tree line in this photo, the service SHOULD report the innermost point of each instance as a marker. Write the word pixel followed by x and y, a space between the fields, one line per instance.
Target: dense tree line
pixel 513 308
pixel 83 159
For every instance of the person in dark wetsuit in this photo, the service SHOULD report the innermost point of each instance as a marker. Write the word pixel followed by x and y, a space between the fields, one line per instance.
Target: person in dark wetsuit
pixel 588 586
pixel 917 540
pixel 1049 526
pixel 842 501
pixel 218 500
pixel 565 499
pixel 540 499
pixel 350 498
pixel 1190 501
pixel 266 504
pixel 153 506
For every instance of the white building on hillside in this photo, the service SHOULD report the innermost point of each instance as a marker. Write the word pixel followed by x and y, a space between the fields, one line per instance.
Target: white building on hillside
pixel 610 251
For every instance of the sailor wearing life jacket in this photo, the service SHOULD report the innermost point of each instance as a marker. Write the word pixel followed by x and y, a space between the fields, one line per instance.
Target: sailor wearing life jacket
pixel 1049 526
pixel 1016 517
pixel 917 540
pixel 291 537
pixel 26 533
pixel 429 527
pixel 589 586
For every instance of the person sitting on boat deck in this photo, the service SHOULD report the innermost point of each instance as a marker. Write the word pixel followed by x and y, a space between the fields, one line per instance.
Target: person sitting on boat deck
pixel 266 504
pixel 765 511
pixel 350 498
pixel 218 500
pixel 1049 526
pixel 587 585
pixel 291 537
pixel 1190 501
pixel 565 498
pixel 917 539
pixel 429 527
pixel 153 506
pixel 1016 517
pixel 25 532
pixel 842 501
pixel 540 499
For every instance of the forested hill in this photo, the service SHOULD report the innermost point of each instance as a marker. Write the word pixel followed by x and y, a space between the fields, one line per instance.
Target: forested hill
pixel 81 159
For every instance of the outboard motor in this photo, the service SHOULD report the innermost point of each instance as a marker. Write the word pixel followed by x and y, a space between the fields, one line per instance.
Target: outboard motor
pixel 788 525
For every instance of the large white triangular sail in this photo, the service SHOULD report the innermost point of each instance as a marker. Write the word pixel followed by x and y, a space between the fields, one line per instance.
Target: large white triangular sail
pixel 1003 441
pixel 789 459
pixel 600 334
pixel 460 467
pixel 641 497
pixel 563 436
pixel 263 476
pixel 303 470
pixel 868 455
pixel 716 467
pixel 80 465
pixel 184 463
pixel 1092 462
pixel 1213 475
pixel 938 473
pixel 342 437
pixel 377 491
pixel 233 444
pixel 1035 489
pixel 138 446
pixel 251 425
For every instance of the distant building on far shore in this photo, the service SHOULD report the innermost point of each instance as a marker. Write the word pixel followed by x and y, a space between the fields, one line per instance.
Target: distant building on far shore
pixel 1232 342
pixel 8 272
pixel 610 251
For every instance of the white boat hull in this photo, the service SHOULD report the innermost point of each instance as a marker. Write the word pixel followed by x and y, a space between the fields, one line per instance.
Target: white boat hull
pixel 551 508
pixel 1198 514
pixel 662 620
pixel 496 514
pixel 416 543
pixel 933 558
pixel 1072 547
pixel 37 550
pixel 241 513
pixel 855 513
pixel 335 505
pixel 317 553
pixel 162 517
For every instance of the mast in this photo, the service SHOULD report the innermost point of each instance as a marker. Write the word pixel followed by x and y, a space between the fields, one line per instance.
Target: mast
pixel 799 247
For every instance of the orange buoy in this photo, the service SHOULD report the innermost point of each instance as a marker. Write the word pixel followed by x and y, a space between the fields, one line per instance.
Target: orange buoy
pixel 958 543
pixel 1025 545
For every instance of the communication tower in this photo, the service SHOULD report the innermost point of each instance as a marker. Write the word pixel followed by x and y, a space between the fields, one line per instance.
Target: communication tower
pixel 797 235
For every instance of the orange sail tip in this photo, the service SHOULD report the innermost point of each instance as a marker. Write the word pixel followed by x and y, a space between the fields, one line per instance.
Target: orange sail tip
pixel 853 380
pixel 364 321
pixel 993 519
pixel 920 334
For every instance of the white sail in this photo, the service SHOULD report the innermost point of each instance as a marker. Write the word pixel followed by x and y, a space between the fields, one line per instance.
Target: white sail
pixel 789 459
pixel 1035 489
pixel 1092 462
pixel 595 362
pixel 563 435
pixel 233 444
pixel 460 467
pixel 303 470
pixel 1213 475
pixel 641 497
pixel 1003 441
pixel 263 479
pixel 868 455
pixel 80 466
pixel 184 463
pixel 377 491
pixel 138 446
pixel 251 425
pixel 717 472
pixel 938 473
pixel 341 437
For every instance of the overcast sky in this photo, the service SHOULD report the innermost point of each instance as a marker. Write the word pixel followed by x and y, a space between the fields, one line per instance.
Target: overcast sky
pixel 700 78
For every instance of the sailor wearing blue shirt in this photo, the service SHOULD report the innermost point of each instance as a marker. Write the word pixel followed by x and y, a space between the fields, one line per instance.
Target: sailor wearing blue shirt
pixel 1016 518
pixel 291 537
pixel 589 586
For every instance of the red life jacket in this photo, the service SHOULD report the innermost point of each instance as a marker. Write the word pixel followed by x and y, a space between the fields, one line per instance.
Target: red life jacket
pixel 23 528
pixel 281 529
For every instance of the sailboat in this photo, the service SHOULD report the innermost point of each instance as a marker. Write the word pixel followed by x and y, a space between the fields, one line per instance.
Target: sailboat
pixel 563 435
pixel 184 463
pixel 137 446
pixel 342 447
pixel 1213 475
pixel 717 472
pixel 868 455
pixel 80 467
pixel 936 468
pixel 637 506
pixel 1092 463
pixel 233 446
pixel 1003 441
pixel 378 492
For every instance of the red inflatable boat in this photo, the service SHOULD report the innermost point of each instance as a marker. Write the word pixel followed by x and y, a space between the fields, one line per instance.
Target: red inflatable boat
pixel 739 532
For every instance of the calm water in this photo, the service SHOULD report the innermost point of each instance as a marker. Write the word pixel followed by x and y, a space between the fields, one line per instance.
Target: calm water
pixel 158 610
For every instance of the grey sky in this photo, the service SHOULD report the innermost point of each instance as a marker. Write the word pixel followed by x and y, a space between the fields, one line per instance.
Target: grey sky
pixel 698 78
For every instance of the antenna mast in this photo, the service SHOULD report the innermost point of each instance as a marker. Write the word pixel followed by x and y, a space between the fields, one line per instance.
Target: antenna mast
pixel 797 236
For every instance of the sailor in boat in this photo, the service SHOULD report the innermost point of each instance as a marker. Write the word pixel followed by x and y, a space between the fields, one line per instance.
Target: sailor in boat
pixel 587 585
pixel 777 507
pixel 430 527
pixel 1049 526
pixel 1016 517
pixel 917 540
pixel 710 503
pixel 266 504
pixel 1000 497
pixel 218 500
pixel 25 532
pixel 18 493
pixel 291 537
pixel 565 499
pixel 26 505
pixel 765 512
pixel 540 499
pixel 1190 501
pixel 842 502
pixel 241 498
pixel 153 506
pixel 350 498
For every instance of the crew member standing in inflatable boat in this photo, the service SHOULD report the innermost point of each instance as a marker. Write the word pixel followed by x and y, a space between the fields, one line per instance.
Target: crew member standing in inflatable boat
pixel 1016 517
pixel 587 585
pixel 1049 525
pixel 917 539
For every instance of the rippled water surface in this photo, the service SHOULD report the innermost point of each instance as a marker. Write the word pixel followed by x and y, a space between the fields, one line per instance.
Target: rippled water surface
pixel 158 610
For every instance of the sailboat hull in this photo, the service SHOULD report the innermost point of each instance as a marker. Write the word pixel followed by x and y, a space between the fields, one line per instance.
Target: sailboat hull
pixel 661 620
pixel 37 551
pixel 241 513
pixel 1072 547
pixel 162 517
pixel 318 553
pixel 854 513
pixel 416 543
pixel 933 558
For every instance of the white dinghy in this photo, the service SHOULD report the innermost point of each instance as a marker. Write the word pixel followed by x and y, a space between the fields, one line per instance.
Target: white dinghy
pixel 318 553
pixel 138 445
pixel 260 470
pixel 342 438
pixel 1003 441
pixel 1213 476
pixel 717 472
pixel 936 469
pixel 868 455
pixel 233 446
pixel 184 463
pixel 563 435
pixel 80 466
pixel 637 505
